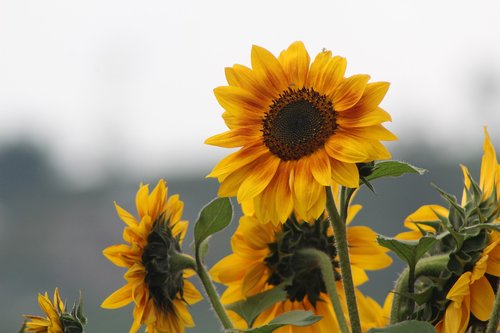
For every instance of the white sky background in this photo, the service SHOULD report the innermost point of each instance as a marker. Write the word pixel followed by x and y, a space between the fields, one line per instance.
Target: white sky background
pixel 128 84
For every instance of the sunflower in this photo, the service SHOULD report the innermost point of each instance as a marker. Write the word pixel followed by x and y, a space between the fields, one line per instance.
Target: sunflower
pixel 53 310
pixel 300 126
pixel 472 293
pixel 489 183
pixel 158 289
pixel 263 257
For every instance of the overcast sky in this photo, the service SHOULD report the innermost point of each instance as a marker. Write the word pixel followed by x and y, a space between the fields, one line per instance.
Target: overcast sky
pixel 129 83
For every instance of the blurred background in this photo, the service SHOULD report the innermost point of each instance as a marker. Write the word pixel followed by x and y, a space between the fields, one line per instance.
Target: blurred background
pixel 98 96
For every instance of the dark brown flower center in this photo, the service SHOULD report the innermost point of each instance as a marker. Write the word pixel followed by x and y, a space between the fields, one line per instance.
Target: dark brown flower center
pixel 285 265
pixel 298 123
pixel 162 281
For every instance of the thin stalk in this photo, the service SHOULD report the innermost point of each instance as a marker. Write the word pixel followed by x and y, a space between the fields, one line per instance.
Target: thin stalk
pixel 495 314
pixel 340 233
pixel 326 267
pixel 213 296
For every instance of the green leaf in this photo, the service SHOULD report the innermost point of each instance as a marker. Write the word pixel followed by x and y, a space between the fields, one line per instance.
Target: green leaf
pixel 214 217
pixel 411 326
pixel 393 169
pixel 410 251
pixel 295 318
pixel 251 307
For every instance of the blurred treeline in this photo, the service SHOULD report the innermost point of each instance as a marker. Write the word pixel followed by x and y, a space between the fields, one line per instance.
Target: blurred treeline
pixel 52 234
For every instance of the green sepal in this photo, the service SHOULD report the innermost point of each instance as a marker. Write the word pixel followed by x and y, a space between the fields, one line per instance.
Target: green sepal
pixel 23 328
pixel 214 217
pixel 294 318
pixel 249 309
pixel 410 251
pixel 411 326
pixel 77 310
pixel 446 224
pixel 420 297
pixel 70 324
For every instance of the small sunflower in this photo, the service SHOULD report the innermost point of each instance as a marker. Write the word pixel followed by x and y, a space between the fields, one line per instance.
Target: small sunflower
pixel 300 126
pixel 53 310
pixel 489 183
pixel 473 293
pixel 158 289
pixel 263 257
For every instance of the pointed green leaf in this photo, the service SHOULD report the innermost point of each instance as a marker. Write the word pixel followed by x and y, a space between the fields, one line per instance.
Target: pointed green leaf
pixel 411 326
pixel 214 217
pixel 251 307
pixel 294 318
pixel 410 251
pixel 393 169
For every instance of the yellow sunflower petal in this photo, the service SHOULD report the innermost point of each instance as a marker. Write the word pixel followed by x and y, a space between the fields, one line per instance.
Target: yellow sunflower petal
pixel 482 298
pixel 326 72
pixel 190 293
pixel 373 132
pixel 237 160
pixel 457 317
pixel 460 289
pixel 358 275
pixel 283 192
pixel 295 61
pixel 426 213
pixel 320 167
pixel 488 166
pixel 248 80
pixel 264 169
pixel 345 173
pixel 349 92
pixel 119 298
pixel 268 69
pixel 125 216
pixel 121 255
pixel 347 148
pixel 141 201
pixel 361 117
pixel 239 101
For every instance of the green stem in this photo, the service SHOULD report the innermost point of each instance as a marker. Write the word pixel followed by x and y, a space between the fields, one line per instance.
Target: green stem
pixel 401 305
pixel 495 314
pixel 213 296
pixel 340 233
pixel 326 267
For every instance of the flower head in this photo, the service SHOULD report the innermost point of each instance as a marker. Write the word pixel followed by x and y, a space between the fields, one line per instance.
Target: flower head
pixel 265 256
pixel 424 219
pixel 53 311
pixel 473 294
pixel 300 126
pixel 157 287
pixel 57 320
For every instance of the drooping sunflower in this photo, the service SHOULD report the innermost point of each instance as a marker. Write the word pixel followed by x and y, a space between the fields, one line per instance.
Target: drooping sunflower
pixel 489 184
pixel 263 257
pixel 160 291
pixel 53 311
pixel 300 126
pixel 472 293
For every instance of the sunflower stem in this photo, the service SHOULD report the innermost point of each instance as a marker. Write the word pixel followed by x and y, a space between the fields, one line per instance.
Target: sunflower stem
pixel 402 306
pixel 340 232
pixel 328 275
pixel 213 296
pixel 495 314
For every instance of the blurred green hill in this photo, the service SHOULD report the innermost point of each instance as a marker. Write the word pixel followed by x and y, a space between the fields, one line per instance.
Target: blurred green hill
pixel 52 235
